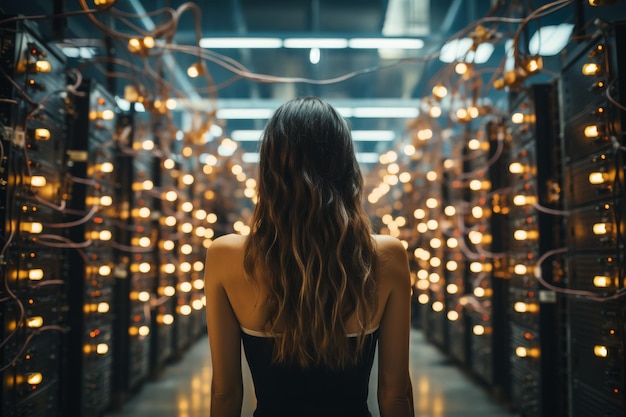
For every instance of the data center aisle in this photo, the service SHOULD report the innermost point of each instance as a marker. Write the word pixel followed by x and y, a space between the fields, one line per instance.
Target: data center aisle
pixel 440 388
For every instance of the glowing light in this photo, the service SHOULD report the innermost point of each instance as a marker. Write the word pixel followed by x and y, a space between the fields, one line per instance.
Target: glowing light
pixel 439 91
pixel 592 131
pixel 42 134
pixel 437 306
pixel 601 281
pixel 516 168
pixel 43 66
pixel 517 118
pixel 34 322
pixel 38 181
pixel 473 145
pixel 106 200
pixel 453 315
pixel 452 265
pixel 596 178
pixel 601 228
pixel 520 269
pixel 600 351
pixel 35 274
pixel 478 330
pixel 31 227
pixel 591 68
pixel 104 270
pixel 144 330
pixel 34 378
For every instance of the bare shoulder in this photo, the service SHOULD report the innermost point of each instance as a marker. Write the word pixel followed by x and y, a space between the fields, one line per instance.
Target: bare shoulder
pixel 389 248
pixel 392 265
pixel 228 242
pixel 225 252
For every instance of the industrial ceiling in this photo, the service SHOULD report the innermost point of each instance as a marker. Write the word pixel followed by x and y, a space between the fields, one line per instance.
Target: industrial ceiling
pixel 262 78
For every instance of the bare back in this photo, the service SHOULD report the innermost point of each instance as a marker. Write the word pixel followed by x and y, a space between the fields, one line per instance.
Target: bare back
pixel 247 297
pixel 234 301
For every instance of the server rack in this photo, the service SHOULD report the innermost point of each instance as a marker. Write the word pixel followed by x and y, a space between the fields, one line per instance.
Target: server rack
pixel 33 297
pixel 592 144
pixel 534 227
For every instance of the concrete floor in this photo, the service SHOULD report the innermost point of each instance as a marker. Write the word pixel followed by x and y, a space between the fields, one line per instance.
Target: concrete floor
pixel 440 388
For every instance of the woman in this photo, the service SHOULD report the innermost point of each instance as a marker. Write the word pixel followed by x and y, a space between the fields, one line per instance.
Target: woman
pixel 310 291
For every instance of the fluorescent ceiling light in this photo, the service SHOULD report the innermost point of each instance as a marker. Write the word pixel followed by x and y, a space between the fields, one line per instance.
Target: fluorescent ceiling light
pixel 309 43
pixel 550 40
pixel 385 43
pixel 78 52
pixel 246 135
pixel 250 157
pixel 459 50
pixel 357 135
pixel 253 43
pixel 385 112
pixel 356 112
pixel 373 135
pixel 367 157
pixel 123 104
pixel 251 114
pixel 361 157
pixel 322 43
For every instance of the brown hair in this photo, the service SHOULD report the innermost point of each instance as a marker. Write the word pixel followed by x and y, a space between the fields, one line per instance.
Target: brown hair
pixel 311 241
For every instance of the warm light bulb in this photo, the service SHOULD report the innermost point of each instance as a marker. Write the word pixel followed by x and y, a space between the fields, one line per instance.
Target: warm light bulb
pixel 31 227
pixel 452 265
pixel 42 134
pixel 193 71
pixel 601 228
pixel 35 274
pixel 473 144
pixel 591 68
pixel 439 91
pixel 34 322
pixel 34 378
pixel 520 269
pixel 461 68
pixel 43 66
pixel 38 181
pixel 592 131
pixel 517 118
pixel 516 168
pixel 600 351
pixel 596 178
pixel 601 281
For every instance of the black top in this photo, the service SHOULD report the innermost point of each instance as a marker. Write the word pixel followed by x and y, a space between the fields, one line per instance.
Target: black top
pixel 291 391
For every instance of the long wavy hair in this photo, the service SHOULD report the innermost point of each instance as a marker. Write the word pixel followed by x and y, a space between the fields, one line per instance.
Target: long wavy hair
pixel 311 241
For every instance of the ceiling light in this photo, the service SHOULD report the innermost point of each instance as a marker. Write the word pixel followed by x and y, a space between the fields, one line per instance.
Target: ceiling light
pixel 246 135
pixel 314 56
pixel 251 114
pixel 367 157
pixel 550 40
pixel 357 135
pixel 373 135
pixel 385 112
pixel 322 43
pixel 253 43
pixel 385 43
pixel 460 50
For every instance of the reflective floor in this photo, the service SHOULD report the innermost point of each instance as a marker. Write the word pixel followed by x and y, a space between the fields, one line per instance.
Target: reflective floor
pixel 440 388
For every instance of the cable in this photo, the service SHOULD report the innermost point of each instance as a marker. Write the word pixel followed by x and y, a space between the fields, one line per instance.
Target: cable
pixel 568 291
